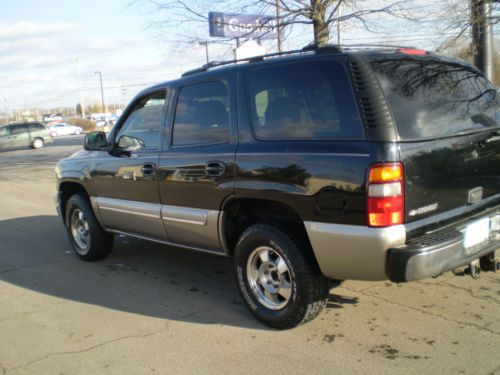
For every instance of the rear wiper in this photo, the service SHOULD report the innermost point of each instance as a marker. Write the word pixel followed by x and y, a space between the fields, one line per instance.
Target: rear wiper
pixel 484 120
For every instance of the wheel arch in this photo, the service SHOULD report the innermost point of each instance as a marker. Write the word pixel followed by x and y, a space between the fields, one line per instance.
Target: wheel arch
pixel 67 188
pixel 239 213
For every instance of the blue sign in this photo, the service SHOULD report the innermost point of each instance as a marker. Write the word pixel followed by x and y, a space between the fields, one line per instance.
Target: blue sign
pixel 234 25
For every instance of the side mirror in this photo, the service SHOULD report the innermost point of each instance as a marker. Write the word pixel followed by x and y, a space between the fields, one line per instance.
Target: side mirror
pixel 95 141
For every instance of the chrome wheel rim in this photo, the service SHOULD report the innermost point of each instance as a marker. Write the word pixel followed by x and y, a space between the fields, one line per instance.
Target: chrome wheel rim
pixel 37 143
pixel 269 278
pixel 80 230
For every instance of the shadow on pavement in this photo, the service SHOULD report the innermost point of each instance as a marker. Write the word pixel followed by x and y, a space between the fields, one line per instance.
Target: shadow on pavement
pixel 139 277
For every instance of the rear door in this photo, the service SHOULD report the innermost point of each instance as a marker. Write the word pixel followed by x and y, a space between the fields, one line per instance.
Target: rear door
pixel 448 121
pixel 197 164
pixel 20 135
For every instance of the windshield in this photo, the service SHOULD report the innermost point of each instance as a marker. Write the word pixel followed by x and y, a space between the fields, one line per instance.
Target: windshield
pixel 431 97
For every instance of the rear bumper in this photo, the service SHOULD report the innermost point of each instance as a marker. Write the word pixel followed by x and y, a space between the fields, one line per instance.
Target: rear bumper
pixel 362 253
pixel 416 261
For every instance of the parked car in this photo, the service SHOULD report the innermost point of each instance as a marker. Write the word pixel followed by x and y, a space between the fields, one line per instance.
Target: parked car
pixel 31 134
pixel 323 164
pixel 63 128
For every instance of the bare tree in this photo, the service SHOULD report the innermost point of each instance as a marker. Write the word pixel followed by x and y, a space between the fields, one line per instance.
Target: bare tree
pixel 322 15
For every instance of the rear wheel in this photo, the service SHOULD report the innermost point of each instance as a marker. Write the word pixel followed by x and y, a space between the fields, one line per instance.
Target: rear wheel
pixel 37 143
pixel 278 280
pixel 87 237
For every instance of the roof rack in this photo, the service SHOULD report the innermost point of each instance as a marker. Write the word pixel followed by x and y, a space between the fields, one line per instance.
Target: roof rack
pixel 313 47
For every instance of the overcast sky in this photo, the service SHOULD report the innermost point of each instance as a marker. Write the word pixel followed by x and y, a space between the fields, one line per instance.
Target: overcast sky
pixel 40 42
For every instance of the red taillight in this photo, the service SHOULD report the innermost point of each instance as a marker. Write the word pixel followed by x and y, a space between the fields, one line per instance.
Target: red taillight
pixel 412 51
pixel 385 195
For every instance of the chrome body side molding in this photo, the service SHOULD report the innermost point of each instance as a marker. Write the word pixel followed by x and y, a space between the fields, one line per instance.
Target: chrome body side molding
pixel 183 226
pixel 184 215
pixel 192 226
pixel 131 216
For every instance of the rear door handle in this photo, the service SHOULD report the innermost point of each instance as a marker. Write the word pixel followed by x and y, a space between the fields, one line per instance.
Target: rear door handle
pixel 215 168
pixel 148 169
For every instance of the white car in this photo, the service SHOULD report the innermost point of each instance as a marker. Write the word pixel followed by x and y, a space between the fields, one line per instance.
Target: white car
pixel 63 128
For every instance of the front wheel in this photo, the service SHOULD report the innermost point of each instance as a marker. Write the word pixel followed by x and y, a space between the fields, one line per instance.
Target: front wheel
pixel 87 237
pixel 278 279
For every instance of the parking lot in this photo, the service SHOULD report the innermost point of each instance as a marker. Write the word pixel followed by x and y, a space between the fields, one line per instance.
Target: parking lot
pixel 149 308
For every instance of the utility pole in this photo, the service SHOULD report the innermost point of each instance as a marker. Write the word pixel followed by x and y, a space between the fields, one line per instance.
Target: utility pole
pixel 102 94
pixel 82 104
pixel 278 25
pixel 482 37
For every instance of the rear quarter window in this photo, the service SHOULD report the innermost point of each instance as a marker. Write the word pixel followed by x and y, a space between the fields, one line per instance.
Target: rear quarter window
pixel 303 100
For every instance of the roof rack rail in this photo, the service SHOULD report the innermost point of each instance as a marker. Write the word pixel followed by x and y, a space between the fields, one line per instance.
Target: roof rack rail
pixel 313 47
pixel 309 48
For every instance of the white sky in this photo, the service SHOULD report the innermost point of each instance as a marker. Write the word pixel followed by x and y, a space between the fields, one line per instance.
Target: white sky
pixel 40 42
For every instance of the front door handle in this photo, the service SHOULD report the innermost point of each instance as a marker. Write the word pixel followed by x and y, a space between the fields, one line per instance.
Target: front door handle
pixel 215 168
pixel 148 169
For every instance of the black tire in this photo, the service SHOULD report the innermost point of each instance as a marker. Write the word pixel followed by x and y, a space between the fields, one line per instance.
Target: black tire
pixel 98 243
pixel 309 288
pixel 37 143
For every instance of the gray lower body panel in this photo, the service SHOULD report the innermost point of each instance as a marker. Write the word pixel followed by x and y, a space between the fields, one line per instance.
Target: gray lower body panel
pixel 353 252
pixel 183 226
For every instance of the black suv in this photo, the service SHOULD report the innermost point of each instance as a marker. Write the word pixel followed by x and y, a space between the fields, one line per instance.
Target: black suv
pixel 316 165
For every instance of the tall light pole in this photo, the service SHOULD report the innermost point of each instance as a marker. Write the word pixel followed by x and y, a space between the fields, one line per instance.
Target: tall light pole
pixel 102 94
pixel 82 104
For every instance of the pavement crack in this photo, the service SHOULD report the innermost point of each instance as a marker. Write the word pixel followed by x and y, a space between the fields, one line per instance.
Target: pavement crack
pixel 425 312
pixel 88 349
pixel 463 289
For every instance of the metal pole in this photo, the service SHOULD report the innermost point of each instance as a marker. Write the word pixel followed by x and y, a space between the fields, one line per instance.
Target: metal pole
pixel 482 37
pixel 102 94
pixel 82 104
pixel 338 24
pixel 278 25
pixel 206 50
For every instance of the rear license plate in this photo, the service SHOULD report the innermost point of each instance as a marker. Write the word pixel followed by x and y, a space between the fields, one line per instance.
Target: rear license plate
pixel 476 233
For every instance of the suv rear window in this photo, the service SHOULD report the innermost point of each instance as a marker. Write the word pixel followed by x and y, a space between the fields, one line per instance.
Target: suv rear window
pixel 305 100
pixel 432 97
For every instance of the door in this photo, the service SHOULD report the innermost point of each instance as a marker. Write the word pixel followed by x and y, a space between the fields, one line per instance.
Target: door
pixel 197 166
pixel 19 135
pixel 126 178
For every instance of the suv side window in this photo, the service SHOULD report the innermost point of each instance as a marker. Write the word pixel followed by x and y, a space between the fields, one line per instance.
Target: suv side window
pixel 19 129
pixel 201 115
pixel 141 129
pixel 305 100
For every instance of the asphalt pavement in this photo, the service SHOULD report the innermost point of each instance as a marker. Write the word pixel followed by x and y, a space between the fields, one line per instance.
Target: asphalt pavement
pixel 153 309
